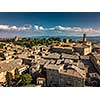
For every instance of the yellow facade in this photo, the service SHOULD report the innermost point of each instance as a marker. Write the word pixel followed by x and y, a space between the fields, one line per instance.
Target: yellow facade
pixel 2 77
pixel 87 50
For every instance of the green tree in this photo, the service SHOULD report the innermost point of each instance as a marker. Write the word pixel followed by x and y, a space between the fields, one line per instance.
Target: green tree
pixel 26 79
pixel 2 45
pixel 70 40
pixel 17 75
pixel 64 40
pixel 9 78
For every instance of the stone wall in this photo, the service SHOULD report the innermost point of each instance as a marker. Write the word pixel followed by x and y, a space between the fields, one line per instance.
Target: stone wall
pixel 71 81
pixel 54 78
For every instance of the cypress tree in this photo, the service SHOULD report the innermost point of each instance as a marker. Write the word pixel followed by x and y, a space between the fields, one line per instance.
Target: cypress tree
pixel 9 78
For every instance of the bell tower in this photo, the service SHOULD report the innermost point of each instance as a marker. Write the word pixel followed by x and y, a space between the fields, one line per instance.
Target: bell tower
pixel 84 38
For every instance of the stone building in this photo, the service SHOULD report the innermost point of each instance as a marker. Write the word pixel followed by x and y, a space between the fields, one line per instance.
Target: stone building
pixel 10 67
pixel 82 49
pixel 41 81
pixel 96 48
pixel 65 75
pixel 95 59
pixel 62 49
pixel 73 57
pixel 34 68
pixel 16 38
pixel 84 38
pixel 51 56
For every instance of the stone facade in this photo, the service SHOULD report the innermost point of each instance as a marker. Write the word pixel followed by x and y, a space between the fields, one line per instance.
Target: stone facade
pixel 56 79
pixel 67 80
pixel 10 67
pixel 82 49
pixel 72 75
pixel 52 77
pixel 95 59
pixel 61 49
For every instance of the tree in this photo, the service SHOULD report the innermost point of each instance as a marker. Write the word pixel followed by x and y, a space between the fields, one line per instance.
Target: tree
pixel 70 40
pixel 64 40
pixel 26 79
pixel 2 45
pixel 17 75
pixel 9 78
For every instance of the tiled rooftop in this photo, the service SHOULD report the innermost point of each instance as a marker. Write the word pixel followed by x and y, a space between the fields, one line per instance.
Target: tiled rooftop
pixel 8 66
pixel 69 56
pixel 96 55
pixel 52 56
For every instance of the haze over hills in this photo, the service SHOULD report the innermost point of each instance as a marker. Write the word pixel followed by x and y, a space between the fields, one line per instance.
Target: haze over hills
pixel 8 31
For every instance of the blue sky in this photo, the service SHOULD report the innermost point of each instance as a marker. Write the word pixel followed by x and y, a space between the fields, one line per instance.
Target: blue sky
pixel 46 24
pixel 51 19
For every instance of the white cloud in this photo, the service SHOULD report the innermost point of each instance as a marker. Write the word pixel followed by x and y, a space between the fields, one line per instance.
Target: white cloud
pixel 69 29
pixel 13 27
pixel 8 27
pixel 35 27
pixel 59 28
pixel 38 28
pixel 55 28
pixel 4 27
pixel 74 29
pixel 41 28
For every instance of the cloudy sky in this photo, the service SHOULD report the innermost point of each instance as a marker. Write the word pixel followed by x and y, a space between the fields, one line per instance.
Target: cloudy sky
pixel 49 24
